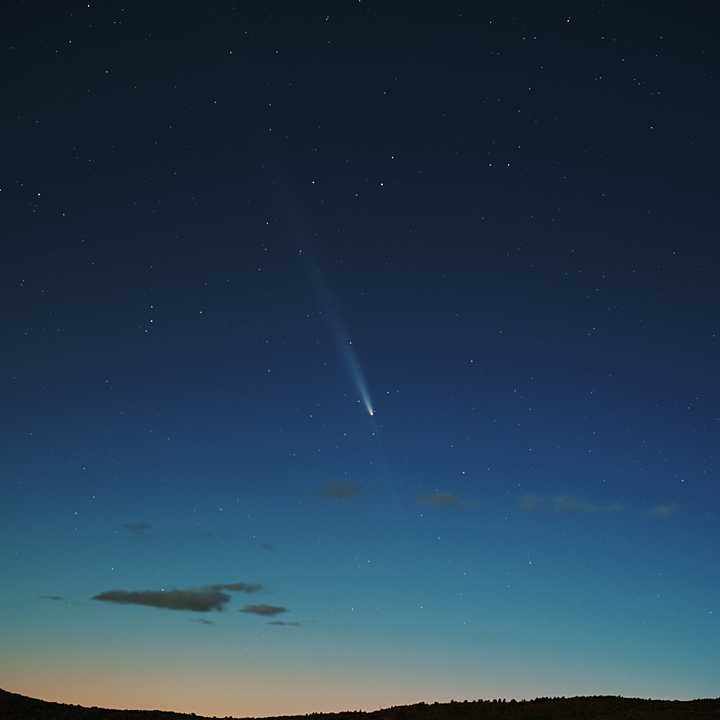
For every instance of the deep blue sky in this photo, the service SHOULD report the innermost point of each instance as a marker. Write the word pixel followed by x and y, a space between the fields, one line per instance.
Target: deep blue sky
pixel 216 218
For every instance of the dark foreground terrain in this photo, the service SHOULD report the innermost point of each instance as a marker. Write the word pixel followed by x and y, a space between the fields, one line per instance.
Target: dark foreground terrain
pixel 19 707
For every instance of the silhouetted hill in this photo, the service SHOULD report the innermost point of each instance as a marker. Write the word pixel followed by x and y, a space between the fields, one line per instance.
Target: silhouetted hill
pixel 19 707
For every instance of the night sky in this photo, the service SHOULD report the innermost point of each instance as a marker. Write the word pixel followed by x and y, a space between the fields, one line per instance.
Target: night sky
pixel 358 353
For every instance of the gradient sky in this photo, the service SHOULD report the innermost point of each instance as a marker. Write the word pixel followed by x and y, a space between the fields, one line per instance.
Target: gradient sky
pixel 230 229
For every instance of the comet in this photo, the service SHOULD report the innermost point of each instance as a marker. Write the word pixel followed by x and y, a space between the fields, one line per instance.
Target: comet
pixel 344 343
pixel 349 357
pixel 358 378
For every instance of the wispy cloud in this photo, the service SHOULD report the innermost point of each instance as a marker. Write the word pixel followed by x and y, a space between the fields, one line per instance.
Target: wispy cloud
pixel 263 610
pixel 202 621
pixel 664 510
pixel 138 529
pixel 440 500
pixel 284 623
pixel 242 587
pixel 340 490
pixel 204 533
pixel 56 598
pixel 566 504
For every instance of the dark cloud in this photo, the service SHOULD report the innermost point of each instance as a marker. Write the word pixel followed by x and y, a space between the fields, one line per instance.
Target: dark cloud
pixel 139 529
pixel 194 600
pixel 284 623
pixel 240 587
pixel 56 598
pixel 440 500
pixel 205 599
pixel 566 504
pixel 264 610
pixel 340 490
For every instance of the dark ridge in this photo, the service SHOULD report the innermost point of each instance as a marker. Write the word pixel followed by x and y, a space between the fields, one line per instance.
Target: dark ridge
pixel 596 707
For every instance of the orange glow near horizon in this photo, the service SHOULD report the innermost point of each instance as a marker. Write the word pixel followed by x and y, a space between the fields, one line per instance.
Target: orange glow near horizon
pixel 244 696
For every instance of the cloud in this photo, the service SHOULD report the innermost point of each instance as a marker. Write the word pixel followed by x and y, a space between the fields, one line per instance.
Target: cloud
pixel 239 587
pixel 264 610
pixel 268 547
pixel 204 599
pixel 56 598
pixel 139 529
pixel 204 534
pixel 566 504
pixel 284 623
pixel 340 490
pixel 440 500
pixel 663 510
pixel 194 599
pixel 202 621
pixel 530 503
